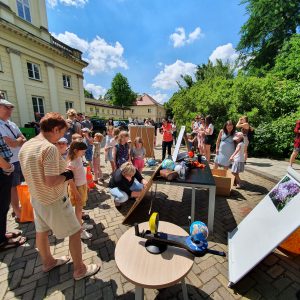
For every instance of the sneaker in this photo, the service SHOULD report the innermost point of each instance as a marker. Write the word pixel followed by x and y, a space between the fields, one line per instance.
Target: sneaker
pixel 86 226
pixel 85 235
pixel 239 186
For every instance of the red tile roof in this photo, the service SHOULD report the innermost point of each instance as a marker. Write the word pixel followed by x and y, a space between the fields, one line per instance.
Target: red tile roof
pixel 145 99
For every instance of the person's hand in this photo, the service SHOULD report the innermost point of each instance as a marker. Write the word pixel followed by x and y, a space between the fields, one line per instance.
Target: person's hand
pixel 9 171
pixel 217 151
pixel 231 158
pixel 144 182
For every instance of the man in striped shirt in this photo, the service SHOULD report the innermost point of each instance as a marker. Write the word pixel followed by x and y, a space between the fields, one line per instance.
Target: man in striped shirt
pixel 45 173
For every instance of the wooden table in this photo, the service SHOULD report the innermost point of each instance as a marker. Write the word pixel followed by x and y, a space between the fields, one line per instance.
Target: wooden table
pixel 146 270
pixel 196 178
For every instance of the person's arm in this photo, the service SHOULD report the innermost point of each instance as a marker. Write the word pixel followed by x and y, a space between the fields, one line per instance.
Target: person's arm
pixel 14 143
pixel 114 154
pixel 208 130
pixel 74 191
pixel 242 125
pixel 4 164
pixel 218 141
pixel 237 150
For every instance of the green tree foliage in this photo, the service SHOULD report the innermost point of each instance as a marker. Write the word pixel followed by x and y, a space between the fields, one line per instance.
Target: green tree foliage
pixel 120 92
pixel 270 23
pixel 287 63
pixel 88 94
pixel 210 70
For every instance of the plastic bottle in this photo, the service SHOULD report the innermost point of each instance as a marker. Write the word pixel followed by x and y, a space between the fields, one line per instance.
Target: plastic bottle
pixel 182 171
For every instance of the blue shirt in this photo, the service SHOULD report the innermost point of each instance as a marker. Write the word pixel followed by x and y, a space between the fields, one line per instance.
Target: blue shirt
pixel 4 149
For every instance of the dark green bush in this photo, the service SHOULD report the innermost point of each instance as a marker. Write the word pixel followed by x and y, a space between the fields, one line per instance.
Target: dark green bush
pixel 274 139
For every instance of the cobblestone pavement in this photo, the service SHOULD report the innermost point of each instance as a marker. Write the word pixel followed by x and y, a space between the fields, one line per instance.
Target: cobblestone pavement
pixel 276 277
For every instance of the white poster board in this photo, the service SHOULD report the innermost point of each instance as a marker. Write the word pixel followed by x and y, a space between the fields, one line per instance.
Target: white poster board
pixel 268 224
pixel 177 146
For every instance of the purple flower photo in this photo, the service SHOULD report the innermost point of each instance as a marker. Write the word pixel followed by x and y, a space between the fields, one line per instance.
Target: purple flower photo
pixel 284 192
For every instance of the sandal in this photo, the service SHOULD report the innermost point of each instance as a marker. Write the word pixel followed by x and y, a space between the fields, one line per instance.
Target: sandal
pixel 58 262
pixel 13 243
pixel 90 271
pixel 12 235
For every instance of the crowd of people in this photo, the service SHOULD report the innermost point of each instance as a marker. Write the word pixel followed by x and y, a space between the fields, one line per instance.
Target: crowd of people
pixel 53 165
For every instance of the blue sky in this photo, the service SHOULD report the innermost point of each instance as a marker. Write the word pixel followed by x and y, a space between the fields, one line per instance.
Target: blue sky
pixel 151 42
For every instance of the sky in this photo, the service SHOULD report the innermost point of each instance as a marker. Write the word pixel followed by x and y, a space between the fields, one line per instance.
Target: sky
pixel 151 42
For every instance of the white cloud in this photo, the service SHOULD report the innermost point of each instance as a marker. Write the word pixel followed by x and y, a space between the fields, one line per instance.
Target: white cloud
pixel 100 55
pixel 225 53
pixel 166 79
pixel 76 3
pixel 160 98
pixel 180 39
pixel 96 90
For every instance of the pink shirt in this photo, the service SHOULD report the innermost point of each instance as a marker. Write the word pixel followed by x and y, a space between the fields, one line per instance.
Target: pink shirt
pixel 79 171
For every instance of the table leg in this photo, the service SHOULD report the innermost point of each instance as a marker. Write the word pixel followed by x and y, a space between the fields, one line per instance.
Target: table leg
pixel 139 293
pixel 193 205
pixel 184 290
pixel 211 208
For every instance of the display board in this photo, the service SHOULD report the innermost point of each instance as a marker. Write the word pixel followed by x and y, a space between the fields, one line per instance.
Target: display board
pixel 139 199
pixel 268 224
pixel 177 146
pixel 147 135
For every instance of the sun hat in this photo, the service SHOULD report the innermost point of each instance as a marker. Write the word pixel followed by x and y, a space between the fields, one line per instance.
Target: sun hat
pixel 6 103
pixel 63 141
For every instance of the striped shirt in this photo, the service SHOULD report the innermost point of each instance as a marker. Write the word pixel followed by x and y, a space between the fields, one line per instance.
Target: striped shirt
pixel 40 158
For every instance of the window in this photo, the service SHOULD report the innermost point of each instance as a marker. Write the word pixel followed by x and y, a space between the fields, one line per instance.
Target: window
pixel 149 110
pixel 1 68
pixel 69 105
pixel 33 71
pixel 24 10
pixel 132 110
pixel 3 94
pixel 91 109
pixel 38 107
pixel 67 81
pixel 103 110
pixel 97 110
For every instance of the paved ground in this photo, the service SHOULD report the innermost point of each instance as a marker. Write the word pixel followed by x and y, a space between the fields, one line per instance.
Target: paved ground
pixel 276 277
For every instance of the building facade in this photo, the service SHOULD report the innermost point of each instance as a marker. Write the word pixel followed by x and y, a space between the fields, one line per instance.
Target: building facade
pixel 102 110
pixel 146 107
pixel 38 73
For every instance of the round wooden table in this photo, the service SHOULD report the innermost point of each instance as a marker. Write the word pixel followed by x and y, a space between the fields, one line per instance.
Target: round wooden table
pixel 146 270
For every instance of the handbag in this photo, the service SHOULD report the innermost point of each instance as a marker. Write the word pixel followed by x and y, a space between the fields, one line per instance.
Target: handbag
pixel 168 174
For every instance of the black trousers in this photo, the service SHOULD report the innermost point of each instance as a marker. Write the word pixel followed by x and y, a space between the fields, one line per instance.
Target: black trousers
pixel 164 148
pixel 5 191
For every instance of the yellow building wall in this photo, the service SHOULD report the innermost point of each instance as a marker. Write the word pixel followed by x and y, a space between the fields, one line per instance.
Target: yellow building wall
pixel 157 113
pixel 31 51
pixel 103 112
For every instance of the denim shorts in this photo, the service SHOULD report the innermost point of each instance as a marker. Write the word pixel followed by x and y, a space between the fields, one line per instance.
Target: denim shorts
pixel 16 174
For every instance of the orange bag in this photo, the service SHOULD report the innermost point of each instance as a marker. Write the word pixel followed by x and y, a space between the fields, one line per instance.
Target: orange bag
pixel 26 208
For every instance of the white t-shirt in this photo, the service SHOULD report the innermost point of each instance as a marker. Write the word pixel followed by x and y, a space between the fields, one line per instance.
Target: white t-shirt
pixel 4 130
pixel 78 170
pixel 211 126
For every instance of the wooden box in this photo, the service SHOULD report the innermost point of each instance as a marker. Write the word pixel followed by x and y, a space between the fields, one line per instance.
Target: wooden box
pixel 224 181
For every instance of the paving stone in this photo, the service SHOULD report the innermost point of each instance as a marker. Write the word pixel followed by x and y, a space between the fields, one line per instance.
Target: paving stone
pixel 16 279
pixel 211 286
pixel 208 274
pixel 40 292
pixel 289 294
pixel 275 271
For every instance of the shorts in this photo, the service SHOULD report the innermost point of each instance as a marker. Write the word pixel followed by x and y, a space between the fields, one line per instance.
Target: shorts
pixel 208 140
pixel 109 155
pixel 83 192
pixel 16 174
pixel 139 163
pixel 58 217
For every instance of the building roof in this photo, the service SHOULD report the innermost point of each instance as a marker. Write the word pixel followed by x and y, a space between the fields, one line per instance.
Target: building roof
pixel 145 99
pixel 106 105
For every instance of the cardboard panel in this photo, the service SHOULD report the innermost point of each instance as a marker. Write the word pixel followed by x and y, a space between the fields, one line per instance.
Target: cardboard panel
pixel 224 181
pixel 147 135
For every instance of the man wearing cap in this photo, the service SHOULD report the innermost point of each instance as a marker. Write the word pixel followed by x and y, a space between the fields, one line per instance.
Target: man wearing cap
pixel 14 139
pixel 73 125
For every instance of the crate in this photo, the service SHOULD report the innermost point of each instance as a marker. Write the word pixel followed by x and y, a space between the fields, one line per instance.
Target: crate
pixel 28 132
pixel 224 181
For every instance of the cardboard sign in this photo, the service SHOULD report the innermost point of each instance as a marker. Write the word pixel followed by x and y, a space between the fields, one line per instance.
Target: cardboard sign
pixel 268 224
pixel 179 140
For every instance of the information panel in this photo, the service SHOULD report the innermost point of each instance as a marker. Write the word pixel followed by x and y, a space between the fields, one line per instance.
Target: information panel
pixel 268 224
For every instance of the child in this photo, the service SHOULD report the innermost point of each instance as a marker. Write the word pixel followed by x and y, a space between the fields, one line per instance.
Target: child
pixel 112 134
pixel 191 137
pixel 62 146
pixel 96 157
pixel 78 195
pixel 238 159
pixel 89 143
pixel 138 154
pixel 77 137
pixel 121 152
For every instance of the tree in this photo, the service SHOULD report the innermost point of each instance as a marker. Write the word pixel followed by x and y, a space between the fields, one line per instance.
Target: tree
pixel 120 92
pixel 287 63
pixel 88 94
pixel 270 23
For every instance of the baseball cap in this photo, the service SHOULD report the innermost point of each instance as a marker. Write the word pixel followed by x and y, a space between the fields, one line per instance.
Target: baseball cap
pixel 63 140
pixel 6 103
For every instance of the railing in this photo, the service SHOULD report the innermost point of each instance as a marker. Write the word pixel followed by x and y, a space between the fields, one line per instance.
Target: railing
pixel 65 48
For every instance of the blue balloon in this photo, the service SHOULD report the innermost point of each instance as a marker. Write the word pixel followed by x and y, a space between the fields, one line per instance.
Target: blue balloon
pixel 198 231
pixel 168 164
